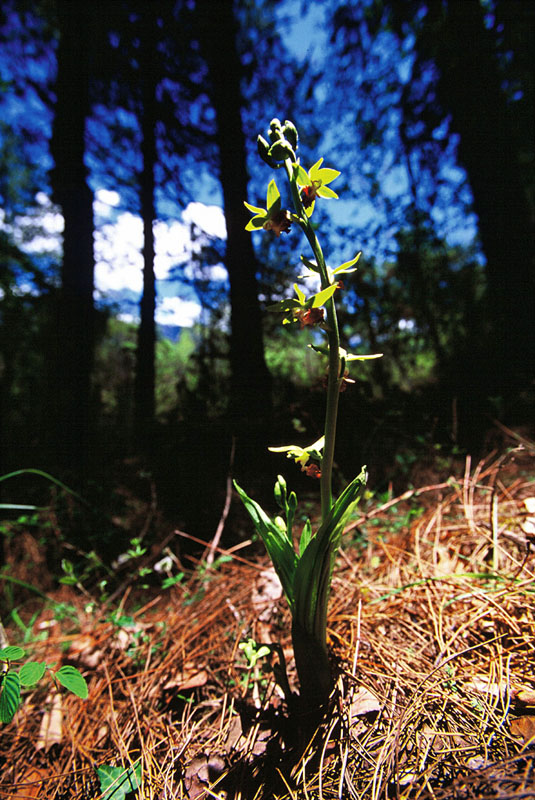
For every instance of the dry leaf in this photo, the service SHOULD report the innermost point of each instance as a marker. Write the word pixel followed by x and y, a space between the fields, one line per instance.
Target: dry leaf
pixel 200 773
pixel 51 729
pixel 190 678
pixel 84 650
pixel 525 695
pixel 481 685
pixel 30 784
pixel 363 702
pixel 523 728
pixel 267 590
pixel 528 525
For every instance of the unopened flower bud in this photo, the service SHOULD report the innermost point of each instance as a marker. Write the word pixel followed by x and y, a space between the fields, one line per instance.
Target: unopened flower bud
pixel 263 150
pixel 281 150
pixel 275 130
pixel 290 132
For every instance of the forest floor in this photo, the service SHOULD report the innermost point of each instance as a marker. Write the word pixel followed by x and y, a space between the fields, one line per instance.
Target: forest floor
pixel 432 634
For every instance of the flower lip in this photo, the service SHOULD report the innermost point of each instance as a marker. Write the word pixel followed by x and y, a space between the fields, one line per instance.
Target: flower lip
pixel 278 223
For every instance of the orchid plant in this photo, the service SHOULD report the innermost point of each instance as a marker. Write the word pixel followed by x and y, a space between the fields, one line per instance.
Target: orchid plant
pixel 305 570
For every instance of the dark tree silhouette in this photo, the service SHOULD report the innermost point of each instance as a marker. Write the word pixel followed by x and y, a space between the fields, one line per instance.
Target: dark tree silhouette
pixel 145 362
pixel 250 387
pixel 74 353
pixel 470 89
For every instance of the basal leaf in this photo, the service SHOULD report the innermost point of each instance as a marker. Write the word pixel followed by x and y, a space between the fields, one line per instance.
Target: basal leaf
pixel 73 680
pixel 313 572
pixel 276 542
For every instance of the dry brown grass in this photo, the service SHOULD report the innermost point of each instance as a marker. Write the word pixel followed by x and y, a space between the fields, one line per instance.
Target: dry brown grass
pixel 432 629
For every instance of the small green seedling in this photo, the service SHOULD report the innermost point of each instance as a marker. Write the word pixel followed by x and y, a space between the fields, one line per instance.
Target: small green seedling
pixel 30 674
pixel 117 782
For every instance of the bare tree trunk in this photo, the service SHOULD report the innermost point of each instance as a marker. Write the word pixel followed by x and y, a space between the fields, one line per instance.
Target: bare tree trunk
pixel 470 89
pixel 74 356
pixel 146 345
pixel 251 383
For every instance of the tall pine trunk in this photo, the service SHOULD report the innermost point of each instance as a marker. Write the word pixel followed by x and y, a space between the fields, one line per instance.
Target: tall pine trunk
pixel 146 345
pixel 250 379
pixel 470 88
pixel 75 339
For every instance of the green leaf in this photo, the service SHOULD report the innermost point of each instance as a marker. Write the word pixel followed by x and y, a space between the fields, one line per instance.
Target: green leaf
pixel 312 580
pixel 32 672
pixel 277 543
pixel 73 680
pixel 306 535
pixel 12 653
pixel 10 697
pixel 117 782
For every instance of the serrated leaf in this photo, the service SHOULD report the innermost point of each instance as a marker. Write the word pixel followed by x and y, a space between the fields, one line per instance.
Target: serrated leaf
pixel 12 653
pixel 73 680
pixel 117 782
pixel 32 672
pixel 10 696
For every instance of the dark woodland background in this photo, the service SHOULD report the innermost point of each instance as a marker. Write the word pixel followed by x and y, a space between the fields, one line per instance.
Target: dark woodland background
pixel 427 108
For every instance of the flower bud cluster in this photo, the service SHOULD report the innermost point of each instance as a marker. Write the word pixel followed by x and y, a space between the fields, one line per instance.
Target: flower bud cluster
pixel 283 139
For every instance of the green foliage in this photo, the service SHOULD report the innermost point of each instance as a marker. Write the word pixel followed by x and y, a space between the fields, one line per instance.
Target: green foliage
pixel 117 782
pixel 30 674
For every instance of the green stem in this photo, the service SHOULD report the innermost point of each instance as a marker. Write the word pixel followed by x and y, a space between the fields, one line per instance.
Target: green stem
pixel 334 378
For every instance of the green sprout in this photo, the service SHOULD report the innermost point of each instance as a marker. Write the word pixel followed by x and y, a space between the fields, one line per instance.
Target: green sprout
pixel 28 675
